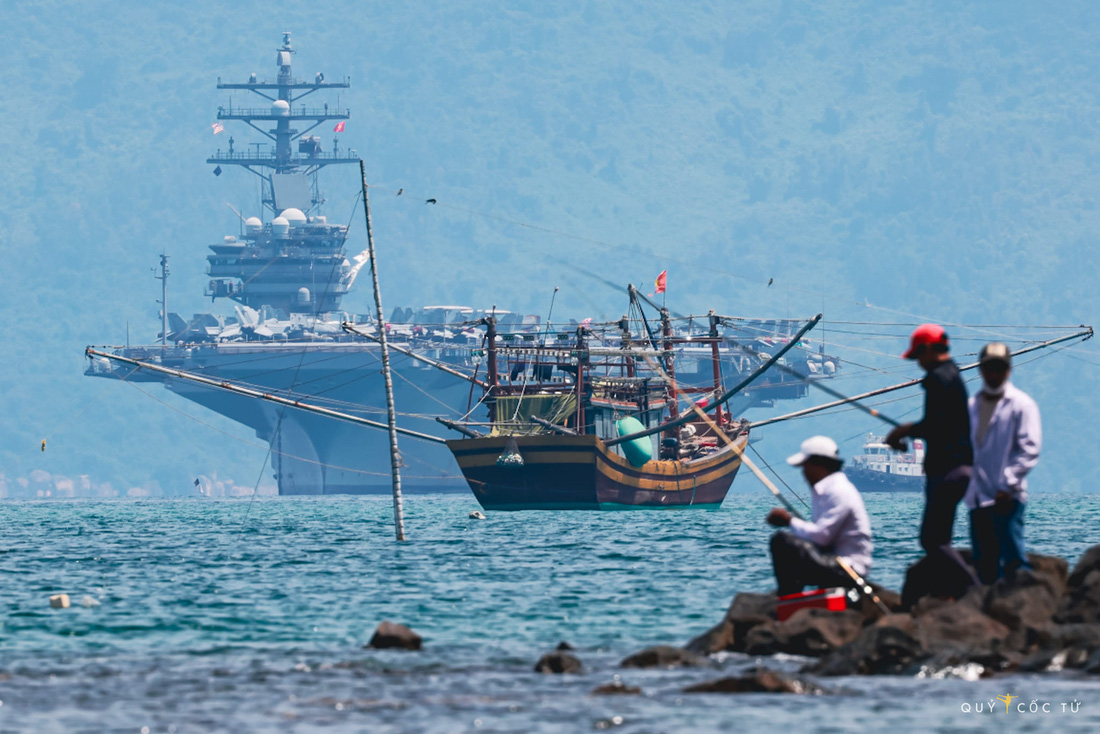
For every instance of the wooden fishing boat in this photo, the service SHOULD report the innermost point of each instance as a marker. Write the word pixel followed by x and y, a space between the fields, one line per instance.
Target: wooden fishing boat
pixel 577 426
pixel 561 472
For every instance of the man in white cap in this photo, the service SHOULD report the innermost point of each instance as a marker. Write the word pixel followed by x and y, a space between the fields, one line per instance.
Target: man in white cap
pixel 1007 435
pixel 807 556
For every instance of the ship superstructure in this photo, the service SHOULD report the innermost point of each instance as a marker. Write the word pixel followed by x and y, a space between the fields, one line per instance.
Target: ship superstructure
pixel 294 263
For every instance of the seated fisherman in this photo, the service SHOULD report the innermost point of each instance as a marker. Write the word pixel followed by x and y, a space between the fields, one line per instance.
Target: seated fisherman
pixel 807 556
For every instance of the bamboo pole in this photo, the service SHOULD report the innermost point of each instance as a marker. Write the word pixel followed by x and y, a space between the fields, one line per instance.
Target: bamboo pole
pixel 391 412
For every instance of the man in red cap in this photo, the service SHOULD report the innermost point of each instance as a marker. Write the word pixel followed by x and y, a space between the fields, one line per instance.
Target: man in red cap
pixel 945 429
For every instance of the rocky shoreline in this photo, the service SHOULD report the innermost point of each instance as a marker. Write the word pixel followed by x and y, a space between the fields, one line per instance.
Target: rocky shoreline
pixel 1046 619
pixel 1042 619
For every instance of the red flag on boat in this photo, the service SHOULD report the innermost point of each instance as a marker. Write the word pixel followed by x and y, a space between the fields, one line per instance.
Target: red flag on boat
pixel 660 282
pixel 339 127
pixel 217 127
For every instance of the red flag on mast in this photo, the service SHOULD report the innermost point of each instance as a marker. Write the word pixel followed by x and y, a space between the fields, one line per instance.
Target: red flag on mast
pixel 660 282
pixel 339 127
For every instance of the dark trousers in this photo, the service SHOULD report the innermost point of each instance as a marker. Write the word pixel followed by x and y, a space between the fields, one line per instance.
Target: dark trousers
pixel 799 563
pixel 997 535
pixel 942 495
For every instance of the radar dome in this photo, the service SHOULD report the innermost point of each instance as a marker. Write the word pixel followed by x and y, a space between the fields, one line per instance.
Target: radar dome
pixel 303 296
pixel 281 108
pixel 253 224
pixel 230 239
pixel 294 217
pixel 280 226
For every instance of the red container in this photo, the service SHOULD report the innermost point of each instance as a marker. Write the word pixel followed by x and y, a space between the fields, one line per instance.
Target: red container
pixel 835 600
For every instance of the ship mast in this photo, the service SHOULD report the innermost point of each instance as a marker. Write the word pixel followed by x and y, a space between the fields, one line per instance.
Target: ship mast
pixel 163 278
pixel 281 167
pixel 295 263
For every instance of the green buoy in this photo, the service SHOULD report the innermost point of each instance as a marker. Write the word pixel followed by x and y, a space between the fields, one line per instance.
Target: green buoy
pixel 639 450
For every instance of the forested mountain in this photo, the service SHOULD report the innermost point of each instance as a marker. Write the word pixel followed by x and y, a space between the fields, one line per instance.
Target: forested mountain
pixel 886 162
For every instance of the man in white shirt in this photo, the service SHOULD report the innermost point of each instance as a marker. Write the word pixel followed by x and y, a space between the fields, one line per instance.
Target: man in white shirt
pixel 807 556
pixel 1007 435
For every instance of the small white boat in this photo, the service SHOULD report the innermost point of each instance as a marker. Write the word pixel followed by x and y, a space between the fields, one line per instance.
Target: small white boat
pixel 882 469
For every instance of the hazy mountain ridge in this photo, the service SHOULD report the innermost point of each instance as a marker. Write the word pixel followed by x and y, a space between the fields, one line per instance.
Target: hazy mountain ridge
pixel 932 160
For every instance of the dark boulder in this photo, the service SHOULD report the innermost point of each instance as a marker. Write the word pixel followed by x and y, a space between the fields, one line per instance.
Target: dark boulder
pixel 960 627
pixel 616 688
pixel 763 639
pixel 664 656
pixel 1081 605
pixel 390 635
pixel 761 681
pixel 1089 561
pixel 1092 665
pixel 1054 569
pixel 558 661
pixel 811 632
pixel 815 632
pixel 745 612
pixel 879 649
pixel 935 576
pixel 1026 602
pixel 1073 635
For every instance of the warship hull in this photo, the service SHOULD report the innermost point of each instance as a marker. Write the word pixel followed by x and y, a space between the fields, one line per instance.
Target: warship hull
pixel 313 454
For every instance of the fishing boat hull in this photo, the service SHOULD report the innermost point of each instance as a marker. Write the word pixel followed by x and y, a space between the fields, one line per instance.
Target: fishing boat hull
pixel 556 472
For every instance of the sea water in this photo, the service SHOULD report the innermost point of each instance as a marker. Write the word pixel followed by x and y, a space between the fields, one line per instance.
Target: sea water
pixel 196 615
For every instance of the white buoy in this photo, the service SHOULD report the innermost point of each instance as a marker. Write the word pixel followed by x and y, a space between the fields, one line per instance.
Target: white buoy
pixel 477 515
pixel 59 601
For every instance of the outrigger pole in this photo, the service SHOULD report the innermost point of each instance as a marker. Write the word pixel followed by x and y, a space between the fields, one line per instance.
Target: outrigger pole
pixel 229 387
pixel 391 412
pixel 350 328
pixel 1086 334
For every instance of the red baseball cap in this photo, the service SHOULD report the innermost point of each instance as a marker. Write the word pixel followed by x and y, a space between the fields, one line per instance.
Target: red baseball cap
pixel 925 335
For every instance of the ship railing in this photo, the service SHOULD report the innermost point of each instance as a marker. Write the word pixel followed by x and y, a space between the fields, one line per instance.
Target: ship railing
pixel 281 81
pixel 294 113
pixel 238 156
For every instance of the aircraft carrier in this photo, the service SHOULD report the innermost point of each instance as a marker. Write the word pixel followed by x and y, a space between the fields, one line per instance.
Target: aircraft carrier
pixel 286 272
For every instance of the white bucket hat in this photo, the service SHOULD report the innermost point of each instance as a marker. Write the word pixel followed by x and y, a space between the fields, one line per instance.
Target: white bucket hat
pixel 822 446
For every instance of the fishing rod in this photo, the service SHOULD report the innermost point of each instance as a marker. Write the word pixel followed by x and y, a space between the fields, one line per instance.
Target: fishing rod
pixel 1083 335
pixel 818 384
pixel 859 581
pixel 308 407
pixel 713 405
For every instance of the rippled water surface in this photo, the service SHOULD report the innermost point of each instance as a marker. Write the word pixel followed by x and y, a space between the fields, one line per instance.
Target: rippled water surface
pixel 238 615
